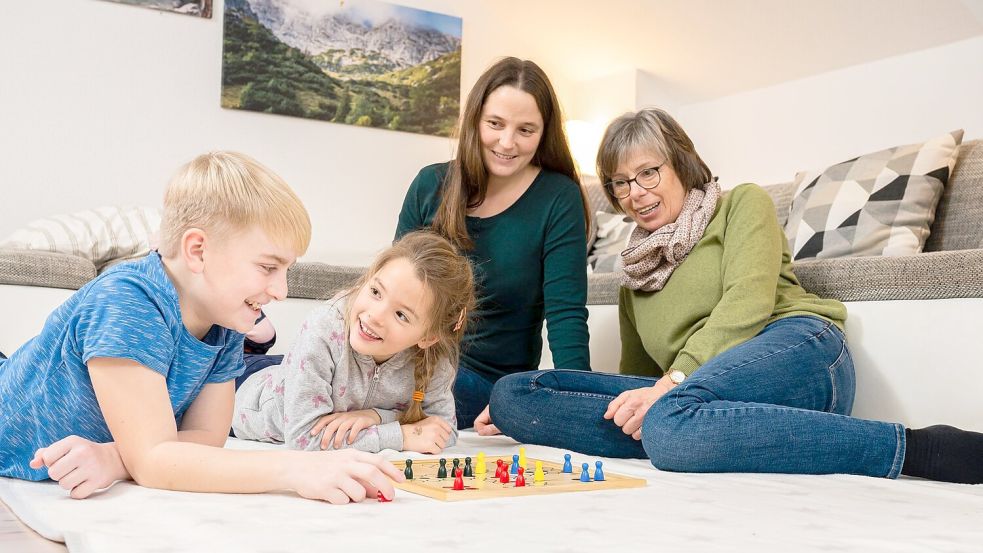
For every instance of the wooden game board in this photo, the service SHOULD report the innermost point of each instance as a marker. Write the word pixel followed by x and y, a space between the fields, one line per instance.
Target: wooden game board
pixel 425 481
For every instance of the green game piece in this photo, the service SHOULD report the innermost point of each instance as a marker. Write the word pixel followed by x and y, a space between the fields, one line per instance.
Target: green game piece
pixel 468 469
pixel 442 470
pixel 457 465
pixel 408 471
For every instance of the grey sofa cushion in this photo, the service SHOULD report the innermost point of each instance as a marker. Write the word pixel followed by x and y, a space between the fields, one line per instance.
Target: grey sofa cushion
pixel 47 269
pixel 320 281
pixel 935 275
pixel 959 217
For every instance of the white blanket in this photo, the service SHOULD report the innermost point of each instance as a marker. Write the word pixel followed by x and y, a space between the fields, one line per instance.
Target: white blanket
pixel 675 512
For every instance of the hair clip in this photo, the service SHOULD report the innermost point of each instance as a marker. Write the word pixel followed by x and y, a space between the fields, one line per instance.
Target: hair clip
pixel 418 396
pixel 460 320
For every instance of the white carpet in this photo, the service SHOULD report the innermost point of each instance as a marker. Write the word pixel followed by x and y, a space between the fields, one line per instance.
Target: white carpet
pixel 675 512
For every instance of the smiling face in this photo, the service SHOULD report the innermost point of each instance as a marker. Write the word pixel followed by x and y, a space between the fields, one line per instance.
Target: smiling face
pixel 651 209
pixel 510 128
pixel 390 312
pixel 239 274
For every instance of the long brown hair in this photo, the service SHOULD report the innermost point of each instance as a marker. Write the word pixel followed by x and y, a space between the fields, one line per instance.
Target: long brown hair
pixel 466 182
pixel 448 276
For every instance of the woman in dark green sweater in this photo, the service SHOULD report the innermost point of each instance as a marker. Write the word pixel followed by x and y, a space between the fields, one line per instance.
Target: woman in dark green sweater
pixel 728 364
pixel 512 201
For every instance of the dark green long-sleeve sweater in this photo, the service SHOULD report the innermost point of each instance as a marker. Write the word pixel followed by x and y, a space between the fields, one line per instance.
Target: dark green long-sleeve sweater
pixel 530 262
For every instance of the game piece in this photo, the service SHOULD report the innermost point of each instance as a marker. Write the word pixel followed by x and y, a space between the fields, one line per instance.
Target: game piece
pixel 481 468
pixel 584 475
pixel 458 479
pixel 468 469
pixel 501 466
pixel 514 469
pixel 382 498
pixel 504 479
pixel 457 465
pixel 567 467
pixel 598 473
pixel 539 475
pixel 442 471
pixel 522 457
pixel 520 480
pixel 408 471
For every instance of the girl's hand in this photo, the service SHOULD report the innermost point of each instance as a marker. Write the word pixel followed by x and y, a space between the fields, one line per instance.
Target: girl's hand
pixel 81 466
pixel 429 435
pixel 628 409
pixel 342 476
pixel 338 424
pixel 483 424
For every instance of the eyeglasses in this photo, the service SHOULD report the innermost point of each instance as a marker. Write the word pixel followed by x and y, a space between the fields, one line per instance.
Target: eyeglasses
pixel 647 178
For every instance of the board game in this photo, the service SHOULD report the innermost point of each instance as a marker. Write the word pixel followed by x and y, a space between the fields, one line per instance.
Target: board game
pixel 542 477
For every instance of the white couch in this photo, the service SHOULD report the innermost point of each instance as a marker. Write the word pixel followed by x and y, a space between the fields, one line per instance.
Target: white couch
pixel 914 322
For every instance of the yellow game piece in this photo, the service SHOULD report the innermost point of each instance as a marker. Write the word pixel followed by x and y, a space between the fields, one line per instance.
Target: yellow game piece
pixel 539 476
pixel 522 457
pixel 479 466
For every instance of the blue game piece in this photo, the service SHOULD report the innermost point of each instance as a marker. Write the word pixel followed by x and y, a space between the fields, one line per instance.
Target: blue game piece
pixel 515 465
pixel 567 467
pixel 584 475
pixel 598 473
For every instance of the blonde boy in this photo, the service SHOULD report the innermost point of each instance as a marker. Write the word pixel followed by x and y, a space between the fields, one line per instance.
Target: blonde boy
pixel 133 375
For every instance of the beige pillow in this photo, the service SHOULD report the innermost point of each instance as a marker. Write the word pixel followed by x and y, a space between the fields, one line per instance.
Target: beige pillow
pixel 101 235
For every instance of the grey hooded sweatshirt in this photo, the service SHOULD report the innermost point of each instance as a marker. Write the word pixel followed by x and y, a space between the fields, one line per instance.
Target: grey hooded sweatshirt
pixel 321 375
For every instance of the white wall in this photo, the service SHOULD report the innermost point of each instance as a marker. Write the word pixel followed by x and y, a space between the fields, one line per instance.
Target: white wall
pixel 101 102
pixel 766 135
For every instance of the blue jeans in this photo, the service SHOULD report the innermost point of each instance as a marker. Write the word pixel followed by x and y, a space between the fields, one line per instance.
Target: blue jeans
pixel 471 394
pixel 776 403
pixel 256 362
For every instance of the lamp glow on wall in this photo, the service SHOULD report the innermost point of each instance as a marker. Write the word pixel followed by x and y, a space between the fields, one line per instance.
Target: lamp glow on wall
pixel 584 138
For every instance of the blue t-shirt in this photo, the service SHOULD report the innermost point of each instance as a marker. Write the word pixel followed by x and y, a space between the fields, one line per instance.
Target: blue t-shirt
pixel 131 311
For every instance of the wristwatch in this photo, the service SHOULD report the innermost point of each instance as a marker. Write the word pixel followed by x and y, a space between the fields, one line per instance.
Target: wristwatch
pixel 676 376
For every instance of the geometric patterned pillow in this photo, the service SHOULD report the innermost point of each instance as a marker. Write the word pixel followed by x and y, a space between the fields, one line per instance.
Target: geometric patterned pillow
pixel 881 203
pixel 613 231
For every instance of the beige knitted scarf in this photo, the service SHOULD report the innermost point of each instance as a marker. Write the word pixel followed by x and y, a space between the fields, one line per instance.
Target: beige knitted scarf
pixel 651 257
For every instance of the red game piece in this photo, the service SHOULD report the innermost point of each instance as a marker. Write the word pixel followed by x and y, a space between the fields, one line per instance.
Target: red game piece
pixel 520 480
pixel 382 498
pixel 458 480
pixel 498 471
pixel 504 478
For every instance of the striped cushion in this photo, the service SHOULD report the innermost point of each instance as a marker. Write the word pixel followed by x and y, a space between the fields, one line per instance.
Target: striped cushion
pixel 100 235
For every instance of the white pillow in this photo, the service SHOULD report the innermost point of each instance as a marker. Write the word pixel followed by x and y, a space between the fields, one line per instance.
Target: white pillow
pixel 101 235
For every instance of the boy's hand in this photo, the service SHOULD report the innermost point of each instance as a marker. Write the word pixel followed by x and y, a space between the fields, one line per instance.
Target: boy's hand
pixel 81 466
pixel 429 435
pixel 339 424
pixel 343 476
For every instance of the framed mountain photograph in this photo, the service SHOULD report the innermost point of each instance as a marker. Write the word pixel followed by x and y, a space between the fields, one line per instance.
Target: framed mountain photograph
pixel 356 62
pixel 201 8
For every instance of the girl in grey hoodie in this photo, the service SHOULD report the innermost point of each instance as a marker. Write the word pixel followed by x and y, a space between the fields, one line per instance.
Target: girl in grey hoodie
pixel 373 368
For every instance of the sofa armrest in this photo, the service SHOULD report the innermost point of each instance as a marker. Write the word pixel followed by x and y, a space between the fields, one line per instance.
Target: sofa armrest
pixel 924 276
pixel 602 288
pixel 45 269
pixel 320 281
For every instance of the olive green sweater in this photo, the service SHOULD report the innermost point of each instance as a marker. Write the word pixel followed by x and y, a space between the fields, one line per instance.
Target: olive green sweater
pixel 736 280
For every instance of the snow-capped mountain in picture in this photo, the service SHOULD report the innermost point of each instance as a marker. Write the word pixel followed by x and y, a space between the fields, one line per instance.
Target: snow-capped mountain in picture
pixel 360 62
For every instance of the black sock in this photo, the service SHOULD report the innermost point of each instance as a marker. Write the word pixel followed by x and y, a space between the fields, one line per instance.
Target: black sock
pixel 944 453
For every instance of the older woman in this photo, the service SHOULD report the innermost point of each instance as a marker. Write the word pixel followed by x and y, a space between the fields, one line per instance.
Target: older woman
pixel 728 364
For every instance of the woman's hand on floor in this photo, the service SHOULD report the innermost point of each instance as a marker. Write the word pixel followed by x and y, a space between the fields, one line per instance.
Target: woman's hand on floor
pixel 628 409
pixel 81 466
pixel 483 424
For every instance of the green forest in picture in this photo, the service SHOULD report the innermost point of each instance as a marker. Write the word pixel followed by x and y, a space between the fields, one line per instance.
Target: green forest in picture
pixel 374 65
